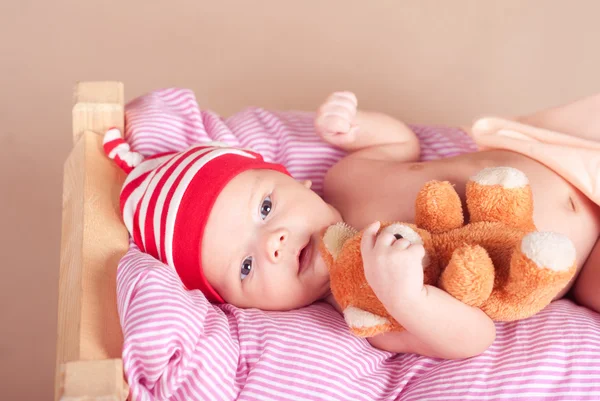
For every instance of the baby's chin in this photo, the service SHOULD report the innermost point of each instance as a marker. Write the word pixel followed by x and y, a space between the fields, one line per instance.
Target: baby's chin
pixel 321 279
pixel 300 300
pixel 316 294
pixel 313 290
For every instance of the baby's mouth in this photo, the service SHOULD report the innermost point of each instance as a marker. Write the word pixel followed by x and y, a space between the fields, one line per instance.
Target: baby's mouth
pixel 304 257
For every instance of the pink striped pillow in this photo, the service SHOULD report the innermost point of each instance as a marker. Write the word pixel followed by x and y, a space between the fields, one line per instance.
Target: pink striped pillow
pixel 178 346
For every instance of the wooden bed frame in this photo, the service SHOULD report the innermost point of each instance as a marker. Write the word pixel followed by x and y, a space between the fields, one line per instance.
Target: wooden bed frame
pixel 88 357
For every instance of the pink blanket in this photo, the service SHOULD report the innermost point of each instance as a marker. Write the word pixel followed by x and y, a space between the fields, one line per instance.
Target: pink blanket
pixel 178 346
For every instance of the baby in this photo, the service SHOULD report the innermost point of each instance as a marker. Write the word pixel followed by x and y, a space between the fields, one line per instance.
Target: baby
pixel 243 231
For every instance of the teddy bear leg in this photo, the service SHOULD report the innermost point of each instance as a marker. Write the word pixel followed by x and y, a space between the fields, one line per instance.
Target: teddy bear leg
pixel 501 194
pixel 469 276
pixel 365 324
pixel 438 207
pixel 540 268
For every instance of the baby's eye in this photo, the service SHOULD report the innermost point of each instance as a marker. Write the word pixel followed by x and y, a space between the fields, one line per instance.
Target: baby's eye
pixel 246 267
pixel 265 207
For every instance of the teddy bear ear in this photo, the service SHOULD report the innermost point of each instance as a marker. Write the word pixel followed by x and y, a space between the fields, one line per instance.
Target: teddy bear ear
pixel 335 237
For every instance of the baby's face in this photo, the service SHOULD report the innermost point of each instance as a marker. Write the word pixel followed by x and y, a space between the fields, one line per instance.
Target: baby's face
pixel 260 244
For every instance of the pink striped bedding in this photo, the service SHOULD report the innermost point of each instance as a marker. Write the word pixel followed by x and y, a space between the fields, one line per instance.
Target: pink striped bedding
pixel 177 346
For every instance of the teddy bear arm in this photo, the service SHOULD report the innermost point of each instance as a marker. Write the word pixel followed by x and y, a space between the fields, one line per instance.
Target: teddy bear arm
pixel 438 207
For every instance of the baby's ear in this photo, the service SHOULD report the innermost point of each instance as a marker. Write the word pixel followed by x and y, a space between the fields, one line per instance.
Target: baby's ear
pixel 336 236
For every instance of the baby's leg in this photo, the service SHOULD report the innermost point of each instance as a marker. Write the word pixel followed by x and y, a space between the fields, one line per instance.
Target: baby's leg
pixel 580 118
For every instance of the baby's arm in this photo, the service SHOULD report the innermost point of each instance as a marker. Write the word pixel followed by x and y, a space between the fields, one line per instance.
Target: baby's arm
pixel 364 133
pixel 436 324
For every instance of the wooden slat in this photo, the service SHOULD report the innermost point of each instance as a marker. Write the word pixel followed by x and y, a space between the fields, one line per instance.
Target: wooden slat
pixel 69 291
pixel 93 240
pixel 93 381
pixel 105 241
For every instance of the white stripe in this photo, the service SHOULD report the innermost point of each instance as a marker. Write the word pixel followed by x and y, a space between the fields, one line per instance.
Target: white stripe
pixel 180 190
pixel 132 159
pixel 111 135
pixel 529 374
pixel 302 384
pixel 132 202
pixel 151 186
pixel 122 147
pixel 134 197
pixel 550 393
pixel 307 367
pixel 521 386
pixel 144 167
pixel 158 210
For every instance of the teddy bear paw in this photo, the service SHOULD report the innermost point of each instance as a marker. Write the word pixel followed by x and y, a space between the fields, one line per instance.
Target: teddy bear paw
pixel 365 324
pixel 507 177
pixel 409 234
pixel 549 250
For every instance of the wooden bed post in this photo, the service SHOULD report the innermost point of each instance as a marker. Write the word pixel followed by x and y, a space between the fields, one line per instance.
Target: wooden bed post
pixel 98 107
pixel 88 358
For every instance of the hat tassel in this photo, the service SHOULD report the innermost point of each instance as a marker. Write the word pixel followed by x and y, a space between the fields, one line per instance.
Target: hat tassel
pixel 118 150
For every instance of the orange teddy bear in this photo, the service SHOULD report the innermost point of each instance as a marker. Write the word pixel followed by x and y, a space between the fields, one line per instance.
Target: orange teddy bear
pixel 498 262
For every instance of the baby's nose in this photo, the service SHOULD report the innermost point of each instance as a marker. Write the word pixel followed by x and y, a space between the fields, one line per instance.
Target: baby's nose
pixel 275 244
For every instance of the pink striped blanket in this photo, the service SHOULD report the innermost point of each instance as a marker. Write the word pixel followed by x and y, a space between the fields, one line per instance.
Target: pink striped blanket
pixel 177 346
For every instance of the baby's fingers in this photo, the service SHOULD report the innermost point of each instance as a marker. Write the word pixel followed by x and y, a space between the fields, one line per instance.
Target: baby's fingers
pixel 388 237
pixel 401 244
pixel 418 250
pixel 330 123
pixel 369 238
pixel 346 98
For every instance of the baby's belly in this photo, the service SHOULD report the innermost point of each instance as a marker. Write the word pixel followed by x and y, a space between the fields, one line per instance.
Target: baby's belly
pixel 558 206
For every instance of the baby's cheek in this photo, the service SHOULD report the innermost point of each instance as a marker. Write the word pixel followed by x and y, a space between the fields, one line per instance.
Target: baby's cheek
pixel 277 288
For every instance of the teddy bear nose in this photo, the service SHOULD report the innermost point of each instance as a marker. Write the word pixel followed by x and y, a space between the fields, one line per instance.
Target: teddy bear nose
pixel 398 236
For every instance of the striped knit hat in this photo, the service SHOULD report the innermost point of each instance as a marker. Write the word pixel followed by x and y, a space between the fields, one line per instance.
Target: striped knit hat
pixel 166 199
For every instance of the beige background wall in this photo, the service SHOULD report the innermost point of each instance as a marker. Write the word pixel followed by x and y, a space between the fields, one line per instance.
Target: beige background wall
pixel 424 61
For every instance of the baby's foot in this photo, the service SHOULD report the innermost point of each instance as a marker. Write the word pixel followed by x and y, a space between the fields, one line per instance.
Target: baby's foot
pixel 335 118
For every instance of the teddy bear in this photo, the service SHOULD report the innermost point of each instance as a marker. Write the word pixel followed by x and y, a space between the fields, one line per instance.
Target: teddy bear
pixel 498 262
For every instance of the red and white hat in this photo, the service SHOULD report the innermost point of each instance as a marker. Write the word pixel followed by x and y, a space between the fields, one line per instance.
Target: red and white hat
pixel 166 200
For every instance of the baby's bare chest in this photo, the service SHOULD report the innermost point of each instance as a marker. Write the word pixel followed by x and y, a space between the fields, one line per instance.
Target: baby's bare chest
pixel 386 191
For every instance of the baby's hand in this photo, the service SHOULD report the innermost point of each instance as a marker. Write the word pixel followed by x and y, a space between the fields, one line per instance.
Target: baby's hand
pixel 393 267
pixel 334 120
